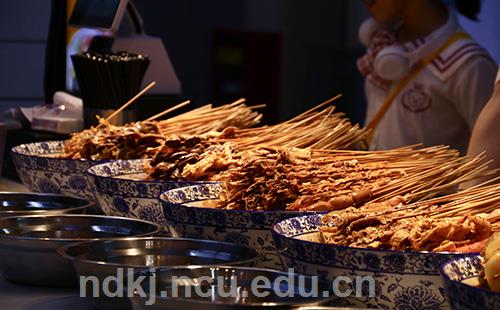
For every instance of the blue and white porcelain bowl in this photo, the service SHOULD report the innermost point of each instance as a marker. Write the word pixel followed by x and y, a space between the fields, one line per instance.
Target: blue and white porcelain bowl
pixel 464 296
pixel 121 190
pixel 41 171
pixel 184 208
pixel 401 280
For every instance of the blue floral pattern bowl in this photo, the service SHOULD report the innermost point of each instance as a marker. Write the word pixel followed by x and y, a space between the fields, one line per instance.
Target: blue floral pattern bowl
pixel 40 171
pixel 120 190
pixel 403 280
pixel 462 295
pixel 183 208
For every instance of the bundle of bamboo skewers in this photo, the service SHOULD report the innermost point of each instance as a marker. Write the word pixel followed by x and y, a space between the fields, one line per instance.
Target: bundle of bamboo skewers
pixel 439 166
pixel 325 181
pixel 316 128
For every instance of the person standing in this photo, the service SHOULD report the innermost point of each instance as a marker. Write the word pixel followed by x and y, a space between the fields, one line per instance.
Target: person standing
pixel 426 79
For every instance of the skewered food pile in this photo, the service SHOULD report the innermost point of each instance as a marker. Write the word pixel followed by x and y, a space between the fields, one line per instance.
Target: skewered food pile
pixel 201 157
pixel 293 179
pixel 194 158
pixel 142 139
pixel 115 142
pixel 316 128
pixel 291 166
pixel 299 180
pixel 460 222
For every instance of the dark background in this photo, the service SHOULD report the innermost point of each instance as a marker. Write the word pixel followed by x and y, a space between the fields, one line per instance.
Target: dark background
pixel 289 54
pixel 296 53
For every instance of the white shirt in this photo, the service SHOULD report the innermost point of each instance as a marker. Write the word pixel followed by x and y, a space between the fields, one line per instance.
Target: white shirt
pixel 441 104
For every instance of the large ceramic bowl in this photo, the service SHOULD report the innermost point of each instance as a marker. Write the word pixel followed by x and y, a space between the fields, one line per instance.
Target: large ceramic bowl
pixel 401 280
pixel 184 208
pixel 40 171
pixel 120 190
pixel 465 296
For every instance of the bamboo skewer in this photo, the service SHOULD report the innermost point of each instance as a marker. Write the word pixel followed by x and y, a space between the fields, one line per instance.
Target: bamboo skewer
pixel 180 105
pixel 325 103
pixel 131 101
pixel 237 102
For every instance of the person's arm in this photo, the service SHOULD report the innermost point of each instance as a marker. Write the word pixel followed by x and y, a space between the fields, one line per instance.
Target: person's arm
pixel 486 133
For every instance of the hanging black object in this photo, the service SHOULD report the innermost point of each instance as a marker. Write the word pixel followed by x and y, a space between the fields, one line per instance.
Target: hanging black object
pixel 55 51
pixel 108 80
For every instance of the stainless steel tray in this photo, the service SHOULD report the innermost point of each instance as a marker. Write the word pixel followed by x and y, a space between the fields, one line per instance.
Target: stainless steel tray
pixel 106 258
pixel 28 244
pixel 19 204
pixel 164 290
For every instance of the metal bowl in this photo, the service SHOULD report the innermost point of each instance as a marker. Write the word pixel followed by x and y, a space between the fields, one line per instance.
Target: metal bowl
pixel 114 258
pixel 19 204
pixel 161 287
pixel 28 244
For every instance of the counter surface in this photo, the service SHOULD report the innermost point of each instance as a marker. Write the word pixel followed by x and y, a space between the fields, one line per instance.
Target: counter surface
pixel 7 185
pixel 19 297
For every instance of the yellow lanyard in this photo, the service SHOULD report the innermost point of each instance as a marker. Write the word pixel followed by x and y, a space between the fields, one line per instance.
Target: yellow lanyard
pixel 407 79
